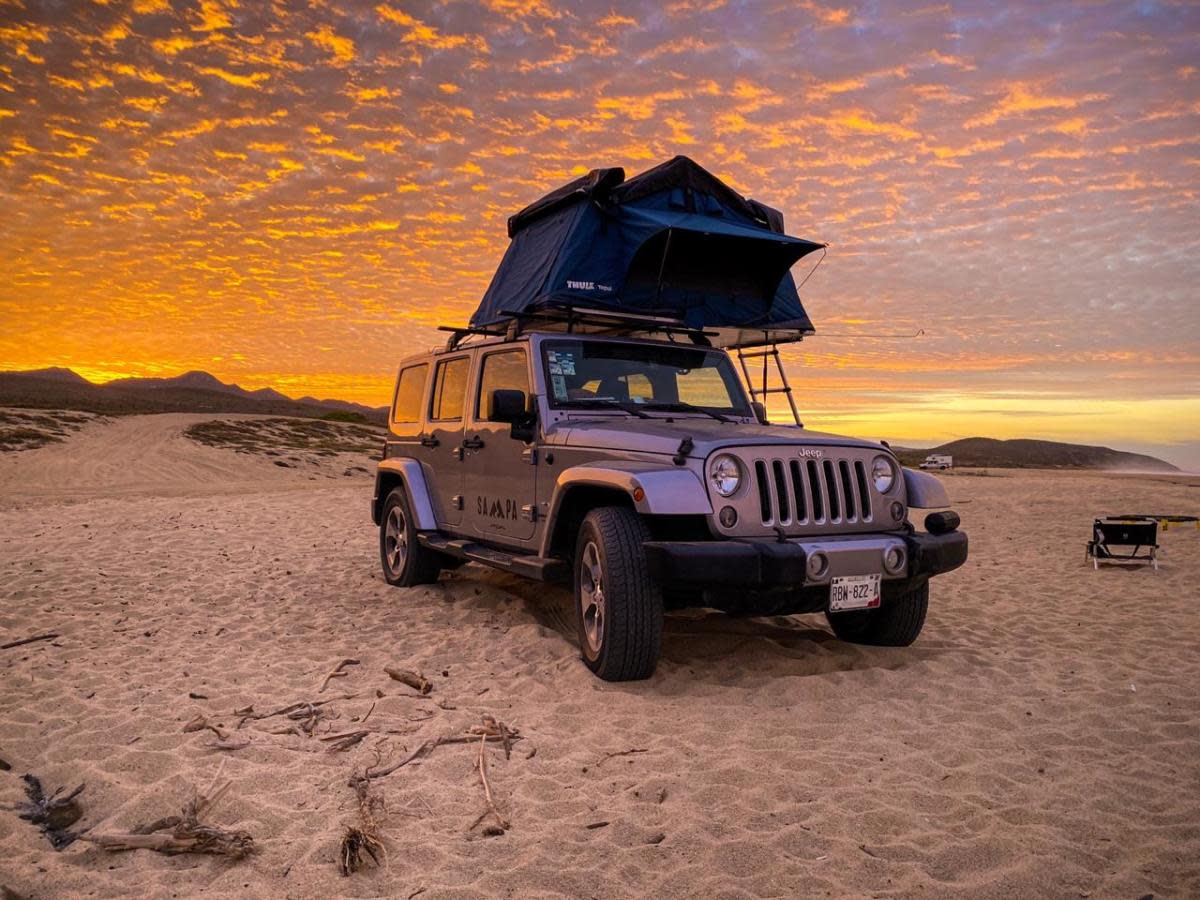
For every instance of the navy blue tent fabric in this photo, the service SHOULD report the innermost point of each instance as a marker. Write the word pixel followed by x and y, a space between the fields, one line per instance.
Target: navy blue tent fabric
pixel 673 241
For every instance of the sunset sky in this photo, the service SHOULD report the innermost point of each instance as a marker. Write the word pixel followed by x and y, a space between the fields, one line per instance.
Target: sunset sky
pixel 296 194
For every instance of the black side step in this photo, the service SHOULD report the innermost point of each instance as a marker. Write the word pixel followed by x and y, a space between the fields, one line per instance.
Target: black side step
pixel 538 568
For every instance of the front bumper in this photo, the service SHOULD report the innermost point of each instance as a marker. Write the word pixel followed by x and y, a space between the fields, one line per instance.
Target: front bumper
pixel 764 565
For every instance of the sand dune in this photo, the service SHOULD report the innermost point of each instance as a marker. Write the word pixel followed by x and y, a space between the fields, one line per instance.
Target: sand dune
pixel 1042 739
pixel 149 456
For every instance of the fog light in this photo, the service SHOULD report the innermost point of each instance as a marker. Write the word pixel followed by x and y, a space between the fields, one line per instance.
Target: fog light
pixel 727 516
pixel 818 565
pixel 893 559
pixel 897 510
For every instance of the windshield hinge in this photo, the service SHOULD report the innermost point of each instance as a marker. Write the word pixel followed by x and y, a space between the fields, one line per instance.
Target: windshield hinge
pixel 685 447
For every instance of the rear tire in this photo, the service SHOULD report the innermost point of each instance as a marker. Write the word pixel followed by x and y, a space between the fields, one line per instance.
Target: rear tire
pixel 406 561
pixel 896 623
pixel 619 610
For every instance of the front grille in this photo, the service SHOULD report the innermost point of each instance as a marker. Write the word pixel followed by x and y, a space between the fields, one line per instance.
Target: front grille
pixel 832 491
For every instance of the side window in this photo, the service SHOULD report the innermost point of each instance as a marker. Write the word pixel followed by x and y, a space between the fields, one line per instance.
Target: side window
pixel 450 388
pixel 503 371
pixel 410 389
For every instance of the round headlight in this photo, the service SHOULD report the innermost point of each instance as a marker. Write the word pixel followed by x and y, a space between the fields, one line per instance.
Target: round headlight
pixel 883 474
pixel 724 474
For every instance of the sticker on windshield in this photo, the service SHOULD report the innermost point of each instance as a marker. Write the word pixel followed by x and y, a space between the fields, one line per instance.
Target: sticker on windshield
pixel 559 385
pixel 566 360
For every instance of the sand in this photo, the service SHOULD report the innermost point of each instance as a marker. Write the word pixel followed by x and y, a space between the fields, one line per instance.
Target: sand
pixel 1042 738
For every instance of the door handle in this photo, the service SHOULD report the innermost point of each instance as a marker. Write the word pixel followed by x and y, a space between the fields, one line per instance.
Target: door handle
pixel 473 443
pixel 428 440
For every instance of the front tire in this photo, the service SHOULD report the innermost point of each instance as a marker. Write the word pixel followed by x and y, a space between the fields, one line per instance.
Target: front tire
pixel 896 623
pixel 619 610
pixel 406 561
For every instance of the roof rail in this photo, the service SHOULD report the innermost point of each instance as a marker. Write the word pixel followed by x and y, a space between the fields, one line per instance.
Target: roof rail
pixel 459 334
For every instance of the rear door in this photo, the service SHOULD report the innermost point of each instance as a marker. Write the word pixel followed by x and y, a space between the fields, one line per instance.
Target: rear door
pixel 443 438
pixel 404 423
pixel 501 475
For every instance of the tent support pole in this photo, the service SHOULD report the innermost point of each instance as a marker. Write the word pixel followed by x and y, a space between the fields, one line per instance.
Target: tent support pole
pixel 662 267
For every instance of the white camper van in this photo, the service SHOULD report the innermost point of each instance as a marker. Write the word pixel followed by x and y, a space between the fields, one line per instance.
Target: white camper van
pixel 938 461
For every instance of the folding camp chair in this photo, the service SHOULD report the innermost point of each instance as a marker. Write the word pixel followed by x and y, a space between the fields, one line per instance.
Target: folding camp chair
pixel 1110 534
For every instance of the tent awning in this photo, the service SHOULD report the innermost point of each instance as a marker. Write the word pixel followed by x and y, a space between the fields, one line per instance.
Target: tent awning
pixel 715 225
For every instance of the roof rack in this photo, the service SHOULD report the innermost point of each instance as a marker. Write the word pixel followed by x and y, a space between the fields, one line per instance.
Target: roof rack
pixel 607 320
pixel 572 318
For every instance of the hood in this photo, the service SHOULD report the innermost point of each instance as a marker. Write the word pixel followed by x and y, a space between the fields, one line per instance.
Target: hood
pixel 657 435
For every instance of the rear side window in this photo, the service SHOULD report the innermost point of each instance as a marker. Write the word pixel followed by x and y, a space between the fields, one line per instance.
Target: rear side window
pixel 450 388
pixel 410 389
pixel 505 371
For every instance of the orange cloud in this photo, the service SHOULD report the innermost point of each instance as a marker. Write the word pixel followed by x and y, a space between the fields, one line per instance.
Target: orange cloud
pixel 254 79
pixel 426 35
pixel 341 48
pixel 1024 98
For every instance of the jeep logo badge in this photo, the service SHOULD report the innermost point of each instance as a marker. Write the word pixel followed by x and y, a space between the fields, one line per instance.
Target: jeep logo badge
pixel 811 452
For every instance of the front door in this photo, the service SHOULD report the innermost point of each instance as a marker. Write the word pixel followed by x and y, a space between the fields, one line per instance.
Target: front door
pixel 501 476
pixel 442 441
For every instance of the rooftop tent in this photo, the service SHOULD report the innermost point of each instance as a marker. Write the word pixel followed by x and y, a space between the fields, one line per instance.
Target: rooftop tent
pixel 673 241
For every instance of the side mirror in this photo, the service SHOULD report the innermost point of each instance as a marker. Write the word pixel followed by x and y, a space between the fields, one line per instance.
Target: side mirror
pixel 760 412
pixel 507 406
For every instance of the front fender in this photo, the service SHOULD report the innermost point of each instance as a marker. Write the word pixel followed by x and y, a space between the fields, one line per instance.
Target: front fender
pixel 664 490
pixel 924 491
pixel 407 472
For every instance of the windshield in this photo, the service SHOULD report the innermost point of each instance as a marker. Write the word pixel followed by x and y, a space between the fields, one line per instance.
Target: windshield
pixel 600 374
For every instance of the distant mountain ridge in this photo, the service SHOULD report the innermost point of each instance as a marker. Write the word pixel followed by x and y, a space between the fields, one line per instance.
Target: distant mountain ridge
pixel 1023 453
pixel 58 388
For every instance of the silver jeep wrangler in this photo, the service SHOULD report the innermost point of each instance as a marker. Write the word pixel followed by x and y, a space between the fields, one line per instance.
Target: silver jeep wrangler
pixel 634 465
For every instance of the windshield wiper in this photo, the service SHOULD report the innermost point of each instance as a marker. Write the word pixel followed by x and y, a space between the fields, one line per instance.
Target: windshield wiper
pixel 681 406
pixel 604 403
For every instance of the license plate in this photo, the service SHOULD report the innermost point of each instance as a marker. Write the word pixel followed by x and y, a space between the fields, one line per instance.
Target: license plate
pixel 853 592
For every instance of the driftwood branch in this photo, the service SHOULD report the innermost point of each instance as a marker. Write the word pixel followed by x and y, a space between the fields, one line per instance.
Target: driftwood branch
pixel 184 833
pixel 414 680
pixel 29 640
pixel 488 730
pixel 54 814
pixel 337 672
pixel 200 723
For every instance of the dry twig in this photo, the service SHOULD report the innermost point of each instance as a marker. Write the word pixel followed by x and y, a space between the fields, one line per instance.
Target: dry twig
pixel 29 640
pixel 501 824
pixel 488 730
pixel 629 752
pixel 345 740
pixel 362 840
pixel 337 672
pixel 304 707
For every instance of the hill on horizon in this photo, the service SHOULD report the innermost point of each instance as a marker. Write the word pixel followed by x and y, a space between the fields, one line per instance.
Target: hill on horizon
pixel 1025 453
pixel 195 391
